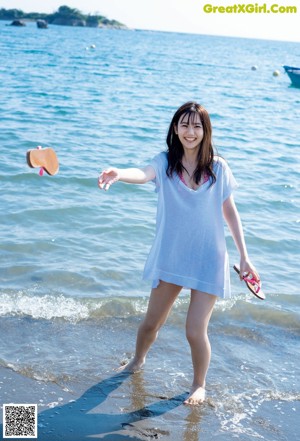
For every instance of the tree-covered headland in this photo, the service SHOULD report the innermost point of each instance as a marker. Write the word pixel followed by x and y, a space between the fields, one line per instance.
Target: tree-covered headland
pixel 65 16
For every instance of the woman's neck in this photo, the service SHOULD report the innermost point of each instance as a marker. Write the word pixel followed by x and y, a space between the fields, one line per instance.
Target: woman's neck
pixel 190 158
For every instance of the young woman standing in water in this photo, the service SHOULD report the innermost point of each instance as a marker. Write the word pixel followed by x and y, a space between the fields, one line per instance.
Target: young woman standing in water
pixel 194 189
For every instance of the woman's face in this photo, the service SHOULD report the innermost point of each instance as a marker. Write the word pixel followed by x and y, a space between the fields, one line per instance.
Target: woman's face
pixel 189 130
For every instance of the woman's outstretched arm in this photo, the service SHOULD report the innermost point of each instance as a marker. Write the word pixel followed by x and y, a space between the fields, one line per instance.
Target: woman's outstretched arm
pixel 129 175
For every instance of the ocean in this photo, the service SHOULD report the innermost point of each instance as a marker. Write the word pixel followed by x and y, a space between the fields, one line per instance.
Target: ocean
pixel 72 256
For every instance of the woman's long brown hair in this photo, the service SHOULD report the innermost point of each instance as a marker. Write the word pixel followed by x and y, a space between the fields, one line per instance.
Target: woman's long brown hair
pixel 206 151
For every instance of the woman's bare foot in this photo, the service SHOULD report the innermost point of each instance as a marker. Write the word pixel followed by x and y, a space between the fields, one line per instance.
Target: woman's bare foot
pixel 132 366
pixel 197 396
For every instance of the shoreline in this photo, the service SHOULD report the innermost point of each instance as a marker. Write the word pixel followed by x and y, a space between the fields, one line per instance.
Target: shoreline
pixel 32 20
pixel 118 408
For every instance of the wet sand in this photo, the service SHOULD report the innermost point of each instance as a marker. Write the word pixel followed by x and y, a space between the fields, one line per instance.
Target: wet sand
pixel 119 408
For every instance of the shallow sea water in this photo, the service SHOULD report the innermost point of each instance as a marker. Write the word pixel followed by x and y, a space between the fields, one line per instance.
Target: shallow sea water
pixel 71 295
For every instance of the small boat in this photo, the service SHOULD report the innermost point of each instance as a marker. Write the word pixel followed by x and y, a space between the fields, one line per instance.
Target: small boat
pixel 294 74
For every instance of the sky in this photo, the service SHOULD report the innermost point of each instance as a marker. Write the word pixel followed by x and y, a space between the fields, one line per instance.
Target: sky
pixel 183 16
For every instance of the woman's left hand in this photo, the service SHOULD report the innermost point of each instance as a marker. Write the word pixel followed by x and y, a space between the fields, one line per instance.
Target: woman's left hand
pixel 246 268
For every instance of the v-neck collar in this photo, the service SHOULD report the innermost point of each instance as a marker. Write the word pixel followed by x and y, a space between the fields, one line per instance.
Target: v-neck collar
pixel 188 189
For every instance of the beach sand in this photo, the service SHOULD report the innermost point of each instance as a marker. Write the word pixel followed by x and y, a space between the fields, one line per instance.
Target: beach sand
pixel 120 408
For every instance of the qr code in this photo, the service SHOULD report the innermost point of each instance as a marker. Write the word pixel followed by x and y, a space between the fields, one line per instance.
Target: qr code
pixel 20 421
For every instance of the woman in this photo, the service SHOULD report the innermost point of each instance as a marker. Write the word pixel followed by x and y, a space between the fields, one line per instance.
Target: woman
pixel 194 189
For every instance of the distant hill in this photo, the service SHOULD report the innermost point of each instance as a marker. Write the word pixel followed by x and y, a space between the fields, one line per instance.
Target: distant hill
pixel 64 16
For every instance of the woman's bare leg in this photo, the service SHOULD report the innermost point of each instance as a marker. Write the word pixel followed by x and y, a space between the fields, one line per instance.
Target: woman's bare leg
pixel 199 313
pixel 160 303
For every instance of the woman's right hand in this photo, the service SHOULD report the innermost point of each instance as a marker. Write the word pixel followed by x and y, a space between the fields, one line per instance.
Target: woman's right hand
pixel 108 177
